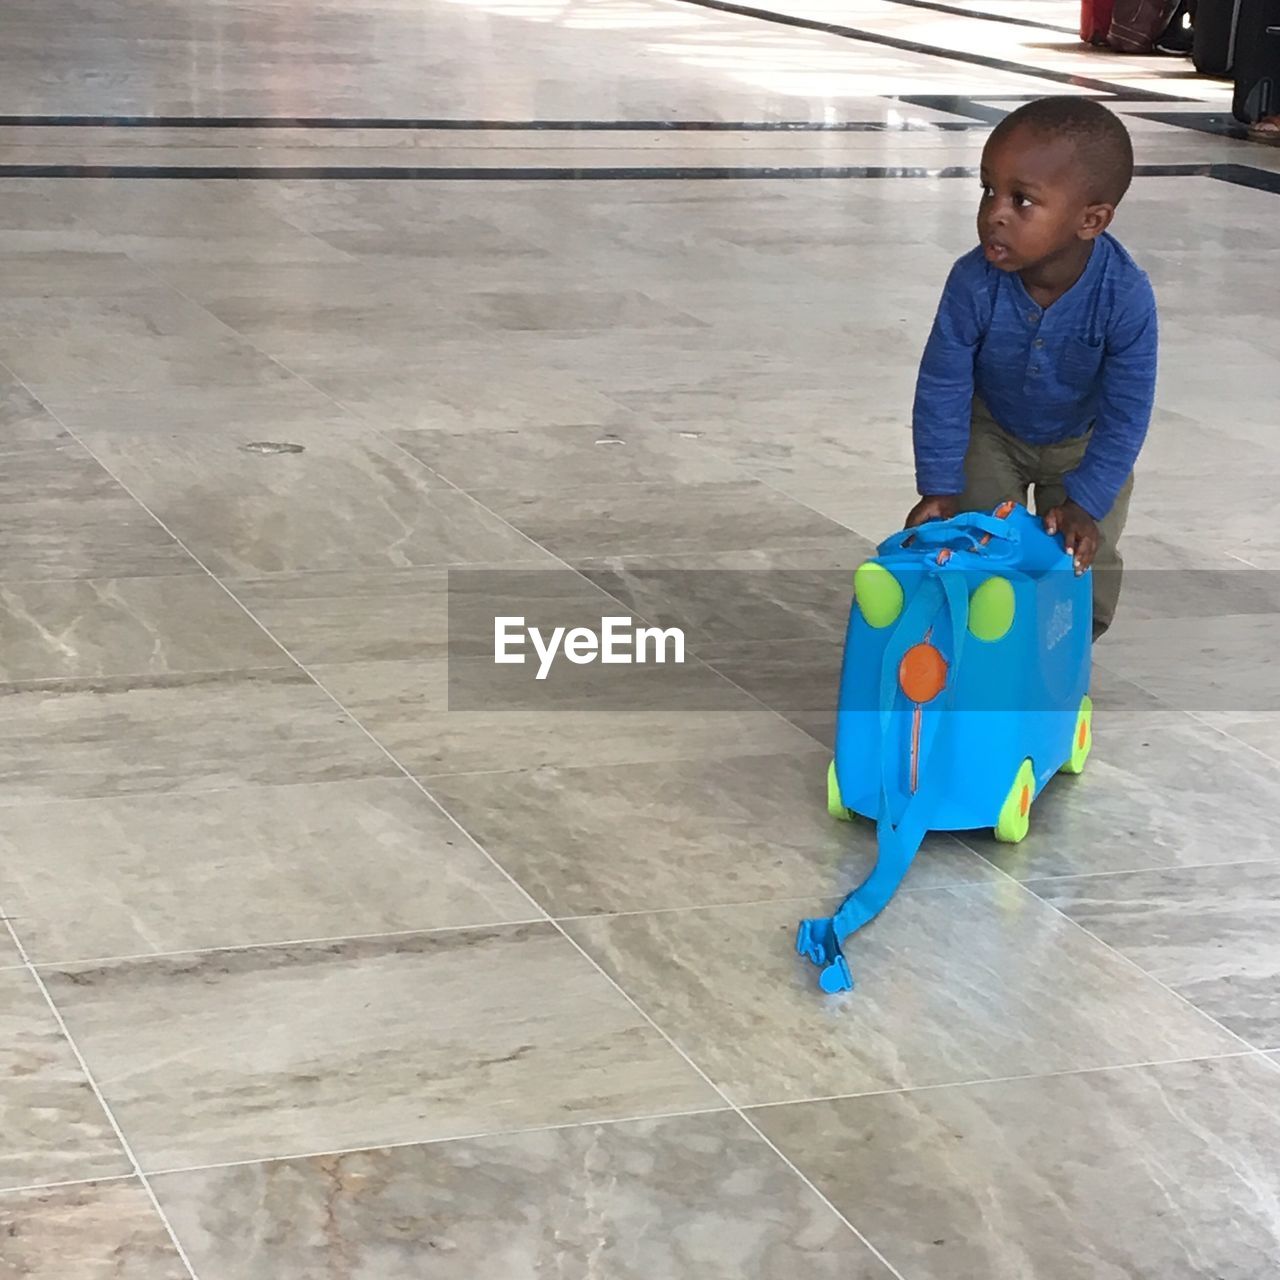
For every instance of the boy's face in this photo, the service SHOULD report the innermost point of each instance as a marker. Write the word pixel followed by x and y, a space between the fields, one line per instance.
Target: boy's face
pixel 1035 201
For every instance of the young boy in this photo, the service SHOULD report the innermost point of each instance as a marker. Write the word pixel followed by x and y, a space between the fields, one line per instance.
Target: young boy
pixel 1040 370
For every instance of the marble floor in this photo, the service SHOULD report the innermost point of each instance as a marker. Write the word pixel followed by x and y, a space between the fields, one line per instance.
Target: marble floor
pixel 330 951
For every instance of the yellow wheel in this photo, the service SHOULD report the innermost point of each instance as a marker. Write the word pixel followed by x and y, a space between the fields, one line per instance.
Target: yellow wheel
pixel 835 806
pixel 1082 742
pixel 1015 814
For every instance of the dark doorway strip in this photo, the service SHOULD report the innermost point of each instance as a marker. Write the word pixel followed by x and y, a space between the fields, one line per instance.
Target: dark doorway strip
pixel 494 126
pixel 937 51
pixel 1239 174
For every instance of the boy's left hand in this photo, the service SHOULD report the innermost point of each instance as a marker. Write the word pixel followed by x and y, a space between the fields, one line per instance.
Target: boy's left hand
pixel 1079 531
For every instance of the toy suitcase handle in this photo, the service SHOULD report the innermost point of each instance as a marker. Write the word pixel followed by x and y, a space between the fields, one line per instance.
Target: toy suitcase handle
pixel 937 533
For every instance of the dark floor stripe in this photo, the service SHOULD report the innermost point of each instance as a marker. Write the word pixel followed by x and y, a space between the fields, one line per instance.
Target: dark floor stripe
pixel 977 14
pixel 402 173
pixel 936 51
pixel 1211 122
pixel 1244 175
pixel 339 173
pixel 959 105
pixel 495 126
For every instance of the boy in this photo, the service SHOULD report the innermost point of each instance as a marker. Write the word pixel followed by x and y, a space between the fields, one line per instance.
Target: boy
pixel 1040 370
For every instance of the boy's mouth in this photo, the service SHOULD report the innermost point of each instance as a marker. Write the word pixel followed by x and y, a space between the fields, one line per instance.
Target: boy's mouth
pixel 995 251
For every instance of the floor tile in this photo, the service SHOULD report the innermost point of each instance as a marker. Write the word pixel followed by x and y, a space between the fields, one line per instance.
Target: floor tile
pixel 253 1054
pixel 573 309
pixel 106 537
pixel 449 389
pixel 61 514
pixel 88 358
pixel 657 520
pixel 348 500
pixel 534 459
pixel 240 414
pixel 1259 731
pixel 953 984
pixel 1217 664
pixel 572 1202
pixel 1150 796
pixel 1212 934
pixel 457 717
pixel 52 1128
pixel 799 679
pixel 131 626
pixel 398 614
pixel 1163 1171
pixel 738 596
pixel 42 460
pixel 120 877
pixel 94 1231
pixel 641 837
pixel 803 430
pixel 175 733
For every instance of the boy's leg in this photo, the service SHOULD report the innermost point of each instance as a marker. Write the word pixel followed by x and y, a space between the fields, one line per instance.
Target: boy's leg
pixel 996 466
pixel 1108 565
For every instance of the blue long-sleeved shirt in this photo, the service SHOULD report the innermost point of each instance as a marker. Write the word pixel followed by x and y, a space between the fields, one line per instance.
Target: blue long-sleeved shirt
pixel 1046 375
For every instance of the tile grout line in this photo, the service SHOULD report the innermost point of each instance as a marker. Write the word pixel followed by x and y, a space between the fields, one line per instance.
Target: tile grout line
pixel 979 1081
pixel 92 1082
pixel 141 957
pixel 30 1187
pixel 323 940
pixel 564 934
pixel 410 1143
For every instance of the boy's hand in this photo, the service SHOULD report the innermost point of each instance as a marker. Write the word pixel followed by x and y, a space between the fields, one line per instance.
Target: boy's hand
pixel 1079 531
pixel 941 506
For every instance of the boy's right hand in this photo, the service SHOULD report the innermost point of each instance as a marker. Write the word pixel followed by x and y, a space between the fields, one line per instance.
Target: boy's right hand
pixel 939 506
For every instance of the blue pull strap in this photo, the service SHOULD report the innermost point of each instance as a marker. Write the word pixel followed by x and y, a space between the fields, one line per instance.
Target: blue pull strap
pixel 821 939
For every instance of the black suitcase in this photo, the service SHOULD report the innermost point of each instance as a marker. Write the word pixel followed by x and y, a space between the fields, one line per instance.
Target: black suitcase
pixel 1257 61
pixel 1214 45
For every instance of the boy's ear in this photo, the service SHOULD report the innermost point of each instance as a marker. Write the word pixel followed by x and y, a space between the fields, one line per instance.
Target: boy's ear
pixel 1097 218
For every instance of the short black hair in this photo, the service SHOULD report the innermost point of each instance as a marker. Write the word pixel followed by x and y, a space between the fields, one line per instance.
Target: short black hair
pixel 1101 141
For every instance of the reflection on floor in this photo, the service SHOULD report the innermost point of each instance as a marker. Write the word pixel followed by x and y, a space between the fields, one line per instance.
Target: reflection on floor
pixel 331 953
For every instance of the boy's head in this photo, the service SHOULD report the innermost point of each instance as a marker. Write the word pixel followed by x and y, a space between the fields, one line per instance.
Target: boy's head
pixel 1053 173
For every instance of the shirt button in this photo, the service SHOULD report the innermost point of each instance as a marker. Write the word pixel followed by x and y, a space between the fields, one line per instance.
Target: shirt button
pixel 1032 317
pixel 1039 342
pixel 1035 368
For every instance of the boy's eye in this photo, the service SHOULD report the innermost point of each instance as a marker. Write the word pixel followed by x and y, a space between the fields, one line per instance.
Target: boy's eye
pixel 1020 200
pixel 987 192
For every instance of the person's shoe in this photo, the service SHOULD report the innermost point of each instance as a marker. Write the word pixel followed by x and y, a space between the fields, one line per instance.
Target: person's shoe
pixel 1177 38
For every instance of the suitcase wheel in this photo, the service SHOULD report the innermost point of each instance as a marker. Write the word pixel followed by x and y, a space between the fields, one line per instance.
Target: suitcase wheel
pixel 1015 814
pixel 835 806
pixel 1082 741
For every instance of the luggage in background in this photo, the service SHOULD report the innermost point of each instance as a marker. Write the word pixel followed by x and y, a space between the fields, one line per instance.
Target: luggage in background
pixel 1095 20
pixel 1136 25
pixel 1257 61
pixel 1213 50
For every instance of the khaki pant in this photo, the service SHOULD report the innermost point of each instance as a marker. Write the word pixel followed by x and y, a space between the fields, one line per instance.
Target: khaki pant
pixel 999 467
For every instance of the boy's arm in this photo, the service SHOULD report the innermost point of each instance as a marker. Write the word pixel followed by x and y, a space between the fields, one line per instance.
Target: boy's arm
pixel 944 389
pixel 1124 409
